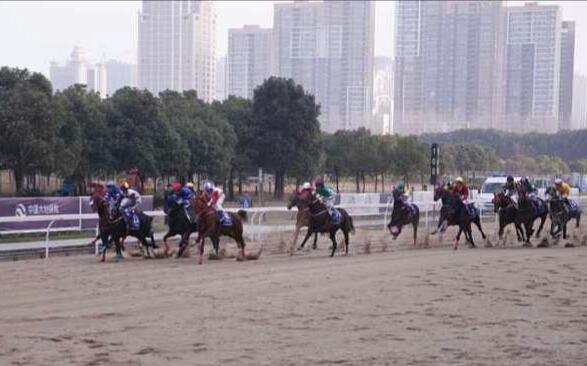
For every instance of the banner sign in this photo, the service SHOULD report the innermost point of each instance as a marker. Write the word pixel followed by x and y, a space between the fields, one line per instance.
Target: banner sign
pixel 49 206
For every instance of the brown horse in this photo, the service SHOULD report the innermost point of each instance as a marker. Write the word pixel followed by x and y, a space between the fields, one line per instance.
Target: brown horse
pixel 302 201
pixel 209 226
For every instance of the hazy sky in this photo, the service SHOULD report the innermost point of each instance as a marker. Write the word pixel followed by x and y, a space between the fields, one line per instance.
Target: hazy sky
pixel 34 33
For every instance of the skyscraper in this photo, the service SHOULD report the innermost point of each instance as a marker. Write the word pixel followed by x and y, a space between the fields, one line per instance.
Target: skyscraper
pixel 533 67
pixel 250 59
pixel 77 70
pixel 119 74
pixel 327 47
pixel 221 87
pixel 566 74
pixel 579 113
pixel 177 46
pixel 449 65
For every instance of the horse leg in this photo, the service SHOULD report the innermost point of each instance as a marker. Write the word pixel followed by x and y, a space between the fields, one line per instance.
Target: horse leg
pixel 542 221
pixel 578 218
pixel 295 239
pixel 165 237
pixel 565 230
pixel 415 227
pixel 469 234
pixel 333 239
pixel 456 245
pixel 315 245
pixel 308 234
pixel 201 249
pixel 346 241
pixel 478 224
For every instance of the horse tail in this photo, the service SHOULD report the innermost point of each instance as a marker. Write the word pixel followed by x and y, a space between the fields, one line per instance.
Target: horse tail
pixel 351 225
pixel 242 214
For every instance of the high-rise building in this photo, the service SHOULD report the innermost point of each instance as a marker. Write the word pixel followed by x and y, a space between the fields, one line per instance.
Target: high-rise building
pixel 119 74
pixel 382 95
pixel 221 87
pixel 177 47
pixel 77 70
pixel 533 67
pixel 250 59
pixel 566 74
pixel 579 113
pixel 449 65
pixel 327 47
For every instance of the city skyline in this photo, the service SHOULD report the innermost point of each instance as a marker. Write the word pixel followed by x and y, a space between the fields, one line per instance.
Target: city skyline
pixel 40 40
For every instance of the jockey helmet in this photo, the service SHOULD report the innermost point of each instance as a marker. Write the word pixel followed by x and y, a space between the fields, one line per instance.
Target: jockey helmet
pixel 459 180
pixel 510 178
pixel 190 185
pixel 175 187
pixel 208 187
pixel 558 181
pixel 110 184
pixel 319 182
pixel 306 185
pixel 124 186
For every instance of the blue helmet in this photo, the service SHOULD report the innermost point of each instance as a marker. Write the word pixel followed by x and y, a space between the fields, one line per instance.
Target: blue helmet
pixel 110 184
pixel 208 187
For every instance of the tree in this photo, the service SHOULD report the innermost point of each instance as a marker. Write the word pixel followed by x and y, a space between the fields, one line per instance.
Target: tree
pixel 27 128
pixel 411 157
pixel 285 127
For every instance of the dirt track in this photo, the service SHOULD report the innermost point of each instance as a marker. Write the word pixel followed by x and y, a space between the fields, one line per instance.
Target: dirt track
pixel 407 307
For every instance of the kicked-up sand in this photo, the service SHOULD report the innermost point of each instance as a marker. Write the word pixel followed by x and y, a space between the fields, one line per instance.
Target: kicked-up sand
pixel 434 306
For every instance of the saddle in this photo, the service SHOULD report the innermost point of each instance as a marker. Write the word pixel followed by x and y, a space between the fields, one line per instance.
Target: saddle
pixel 335 217
pixel 410 208
pixel 133 220
pixel 224 218
pixel 573 207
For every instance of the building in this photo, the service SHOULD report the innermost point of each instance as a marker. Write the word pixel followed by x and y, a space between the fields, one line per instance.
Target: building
pixel 221 87
pixel 249 60
pixel 566 75
pixel 382 95
pixel 533 67
pixel 579 113
pixel 119 74
pixel 77 70
pixel 327 47
pixel 177 47
pixel 448 70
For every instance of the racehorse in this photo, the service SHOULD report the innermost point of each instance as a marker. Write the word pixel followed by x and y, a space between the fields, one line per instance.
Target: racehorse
pixel 120 229
pixel 454 212
pixel 209 226
pixel 179 224
pixel 403 214
pixel 527 213
pixel 507 211
pixel 98 204
pixel 320 222
pixel 302 201
pixel 559 215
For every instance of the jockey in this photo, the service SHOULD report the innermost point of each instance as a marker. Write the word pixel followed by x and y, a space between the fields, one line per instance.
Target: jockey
pixel 528 187
pixel 326 195
pixel 462 190
pixel 400 191
pixel 184 195
pixel 130 204
pixel 564 189
pixel 113 194
pixel 509 188
pixel 215 197
pixel 191 187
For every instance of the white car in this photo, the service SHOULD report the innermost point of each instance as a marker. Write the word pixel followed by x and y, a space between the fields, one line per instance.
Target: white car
pixel 490 186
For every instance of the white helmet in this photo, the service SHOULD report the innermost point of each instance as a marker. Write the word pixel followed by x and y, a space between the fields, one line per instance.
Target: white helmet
pixel 306 185
pixel 558 181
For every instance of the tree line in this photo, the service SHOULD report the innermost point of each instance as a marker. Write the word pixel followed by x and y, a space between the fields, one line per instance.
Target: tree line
pixel 77 134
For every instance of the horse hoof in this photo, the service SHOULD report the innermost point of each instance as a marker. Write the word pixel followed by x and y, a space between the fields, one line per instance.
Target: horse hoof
pixel 200 260
pixel 569 245
pixel 118 258
pixel 527 245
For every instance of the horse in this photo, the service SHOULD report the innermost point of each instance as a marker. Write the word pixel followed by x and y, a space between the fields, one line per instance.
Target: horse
pixel 507 211
pixel 320 223
pixel 98 204
pixel 179 224
pixel 209 226
pixel 559 215
pixel 120 229
pixel 527 213
pixel 454 212
pixel 403 214
pixel 302 201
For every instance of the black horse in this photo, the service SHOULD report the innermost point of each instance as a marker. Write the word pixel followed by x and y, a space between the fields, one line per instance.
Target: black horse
pixel 320 222
pixel 403 214
pixel 120 229
pixel 530 209
pixel 454 213
pixel 179 224
pixel 559 214
pixel 507 212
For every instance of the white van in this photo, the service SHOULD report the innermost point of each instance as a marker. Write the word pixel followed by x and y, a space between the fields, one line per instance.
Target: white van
pixel 490 186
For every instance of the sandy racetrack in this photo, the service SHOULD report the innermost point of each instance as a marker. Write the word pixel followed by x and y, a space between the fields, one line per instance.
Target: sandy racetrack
pixel 409 307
